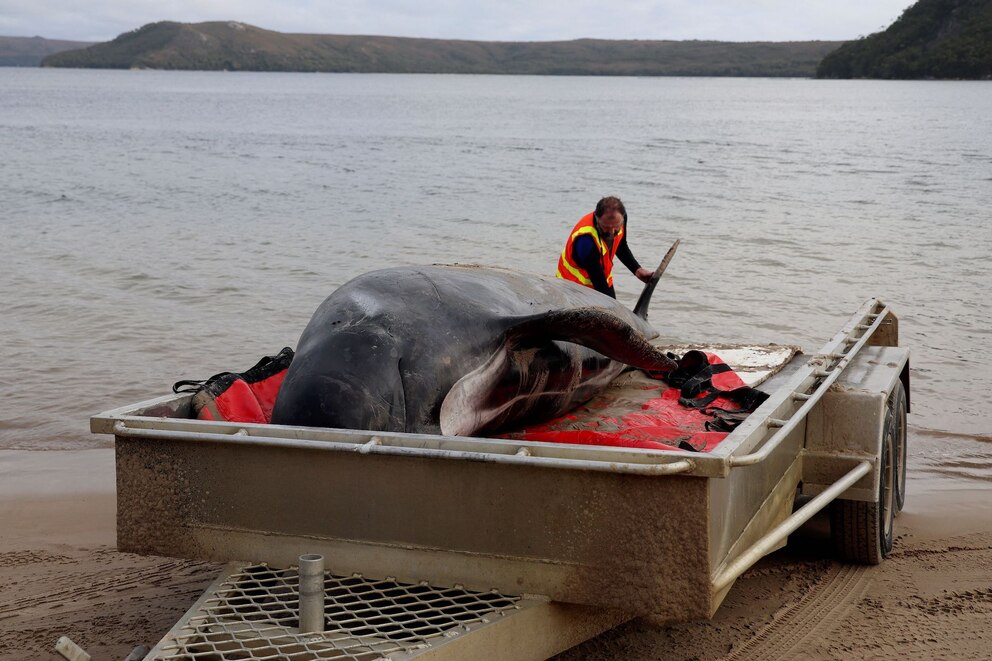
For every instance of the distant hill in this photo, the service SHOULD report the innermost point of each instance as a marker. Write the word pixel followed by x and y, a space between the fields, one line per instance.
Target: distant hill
pixel 29 51
pixel 239 47
pixel 932 39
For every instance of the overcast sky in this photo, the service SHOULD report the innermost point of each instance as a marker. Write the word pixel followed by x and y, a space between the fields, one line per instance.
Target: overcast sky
pixel 496 20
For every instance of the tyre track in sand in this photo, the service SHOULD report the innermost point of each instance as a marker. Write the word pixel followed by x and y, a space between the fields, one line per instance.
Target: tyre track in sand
pixel 817 611
pixel 106 601
pixel 89 589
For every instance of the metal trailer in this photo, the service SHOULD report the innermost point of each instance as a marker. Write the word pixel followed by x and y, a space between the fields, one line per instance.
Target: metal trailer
pixel 529 547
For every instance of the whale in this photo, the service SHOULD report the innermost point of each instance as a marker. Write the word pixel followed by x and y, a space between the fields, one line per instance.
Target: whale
pixel 460 350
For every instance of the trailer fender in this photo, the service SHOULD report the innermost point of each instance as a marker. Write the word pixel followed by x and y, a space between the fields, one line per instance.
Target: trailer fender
pixel 848 424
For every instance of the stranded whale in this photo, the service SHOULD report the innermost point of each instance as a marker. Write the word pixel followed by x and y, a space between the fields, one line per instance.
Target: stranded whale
pixel 459 350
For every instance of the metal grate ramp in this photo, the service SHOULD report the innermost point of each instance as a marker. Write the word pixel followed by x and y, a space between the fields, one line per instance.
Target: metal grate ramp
pixel 252 612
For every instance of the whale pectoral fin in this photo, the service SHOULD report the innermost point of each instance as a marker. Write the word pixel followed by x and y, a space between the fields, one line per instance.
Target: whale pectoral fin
pixel 464 410
pixel 595 328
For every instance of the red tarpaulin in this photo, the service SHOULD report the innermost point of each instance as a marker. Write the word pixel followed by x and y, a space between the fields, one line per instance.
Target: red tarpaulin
pixel 665 420
pixel 692 409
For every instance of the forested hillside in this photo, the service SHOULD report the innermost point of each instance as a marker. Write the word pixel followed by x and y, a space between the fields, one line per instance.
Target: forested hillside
pixel 29 51
pixel 239 47
pixel 932 39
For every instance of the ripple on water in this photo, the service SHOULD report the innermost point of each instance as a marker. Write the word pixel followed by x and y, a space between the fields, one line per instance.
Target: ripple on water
pixel 942 456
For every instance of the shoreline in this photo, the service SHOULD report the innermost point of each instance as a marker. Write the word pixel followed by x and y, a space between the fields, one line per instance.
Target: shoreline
pixel 60 574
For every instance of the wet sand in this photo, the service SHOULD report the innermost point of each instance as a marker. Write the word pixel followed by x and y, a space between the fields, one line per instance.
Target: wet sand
pixel 930 599
pixel 61 575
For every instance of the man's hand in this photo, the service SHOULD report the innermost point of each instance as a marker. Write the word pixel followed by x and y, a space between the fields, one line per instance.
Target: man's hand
pixel 644 274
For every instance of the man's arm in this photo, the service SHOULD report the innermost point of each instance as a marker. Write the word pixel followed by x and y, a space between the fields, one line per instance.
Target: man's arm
pixel 627 257
pixel 586 255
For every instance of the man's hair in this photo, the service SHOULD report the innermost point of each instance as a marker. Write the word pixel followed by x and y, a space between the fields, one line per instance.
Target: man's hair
pixel 609 205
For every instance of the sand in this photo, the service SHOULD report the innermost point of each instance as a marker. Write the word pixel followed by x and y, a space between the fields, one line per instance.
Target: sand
pixel 61 575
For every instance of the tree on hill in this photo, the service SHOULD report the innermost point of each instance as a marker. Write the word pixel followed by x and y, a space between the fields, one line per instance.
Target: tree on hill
pixel 932 39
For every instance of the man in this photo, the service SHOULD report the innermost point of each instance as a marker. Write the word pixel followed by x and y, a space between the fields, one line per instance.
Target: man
pixel 593 243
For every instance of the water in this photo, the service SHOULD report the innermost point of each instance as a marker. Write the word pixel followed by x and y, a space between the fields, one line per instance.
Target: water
pixel 166 225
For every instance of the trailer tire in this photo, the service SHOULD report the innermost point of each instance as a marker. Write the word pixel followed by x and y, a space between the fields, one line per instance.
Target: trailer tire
pixel 897 404
pixel 862 532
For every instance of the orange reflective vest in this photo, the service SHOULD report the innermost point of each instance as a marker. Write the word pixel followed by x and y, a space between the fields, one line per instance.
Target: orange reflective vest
pixel 568 269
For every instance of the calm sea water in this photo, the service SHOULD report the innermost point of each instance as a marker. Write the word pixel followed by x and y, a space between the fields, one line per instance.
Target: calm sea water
pixel 162 225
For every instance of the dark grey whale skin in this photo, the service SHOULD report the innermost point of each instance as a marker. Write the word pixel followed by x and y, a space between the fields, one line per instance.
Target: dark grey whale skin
pixel 459 350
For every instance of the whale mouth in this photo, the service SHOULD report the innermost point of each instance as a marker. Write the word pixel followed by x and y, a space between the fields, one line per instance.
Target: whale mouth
pixel 352 381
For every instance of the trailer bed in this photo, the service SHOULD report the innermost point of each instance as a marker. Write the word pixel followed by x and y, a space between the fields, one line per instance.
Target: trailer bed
pixel 615 532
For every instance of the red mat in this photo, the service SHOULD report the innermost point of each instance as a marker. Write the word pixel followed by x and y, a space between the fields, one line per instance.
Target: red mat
pixel 661 422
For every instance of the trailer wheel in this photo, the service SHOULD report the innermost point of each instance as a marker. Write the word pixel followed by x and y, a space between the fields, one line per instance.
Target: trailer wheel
pixel 897 404
pixel 862 532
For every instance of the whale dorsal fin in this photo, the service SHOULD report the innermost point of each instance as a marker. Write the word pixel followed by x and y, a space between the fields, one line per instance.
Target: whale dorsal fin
pixel 641 309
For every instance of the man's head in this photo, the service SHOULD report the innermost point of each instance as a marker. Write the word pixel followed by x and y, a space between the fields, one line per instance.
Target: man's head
pixel 609 217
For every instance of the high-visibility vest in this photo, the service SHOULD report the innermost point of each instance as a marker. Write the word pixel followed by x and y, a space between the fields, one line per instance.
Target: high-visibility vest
pixel 569 270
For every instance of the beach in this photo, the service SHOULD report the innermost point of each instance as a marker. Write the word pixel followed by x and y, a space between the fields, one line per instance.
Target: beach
pixel 60 574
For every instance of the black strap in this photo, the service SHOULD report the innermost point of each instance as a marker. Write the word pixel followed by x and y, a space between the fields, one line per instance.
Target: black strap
pixel 694 379
pixel 192 385
pixel 726 421
pixel 684 444
pixel 267 366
